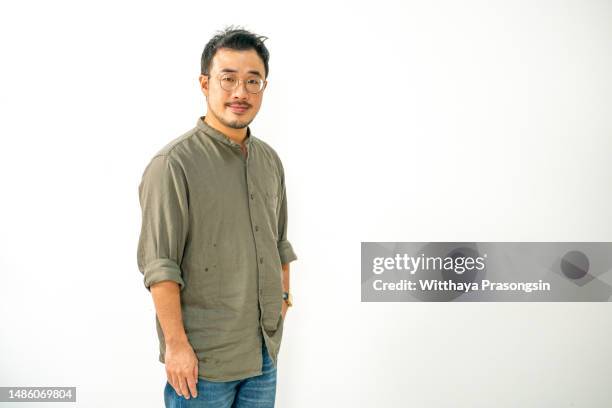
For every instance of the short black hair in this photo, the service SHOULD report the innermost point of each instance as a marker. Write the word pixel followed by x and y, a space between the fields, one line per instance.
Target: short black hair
pixel 235 38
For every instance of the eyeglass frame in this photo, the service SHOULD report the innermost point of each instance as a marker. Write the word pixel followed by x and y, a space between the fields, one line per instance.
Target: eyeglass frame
pixel 263 82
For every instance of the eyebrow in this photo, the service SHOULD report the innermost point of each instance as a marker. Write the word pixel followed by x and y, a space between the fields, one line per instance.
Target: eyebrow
pixel 253 71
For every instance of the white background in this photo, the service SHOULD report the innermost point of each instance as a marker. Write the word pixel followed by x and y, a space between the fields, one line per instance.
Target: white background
pixel 396 121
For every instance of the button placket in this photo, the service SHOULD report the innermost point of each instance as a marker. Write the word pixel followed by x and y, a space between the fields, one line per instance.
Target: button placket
pixel 254 226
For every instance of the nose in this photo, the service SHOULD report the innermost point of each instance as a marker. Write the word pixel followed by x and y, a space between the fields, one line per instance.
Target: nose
pixel 240 91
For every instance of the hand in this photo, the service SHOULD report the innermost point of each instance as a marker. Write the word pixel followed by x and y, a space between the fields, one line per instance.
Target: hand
pixel 284 309
pixel 182 368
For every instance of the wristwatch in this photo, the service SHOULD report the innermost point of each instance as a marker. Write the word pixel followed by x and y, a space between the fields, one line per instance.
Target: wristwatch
pixel 288 298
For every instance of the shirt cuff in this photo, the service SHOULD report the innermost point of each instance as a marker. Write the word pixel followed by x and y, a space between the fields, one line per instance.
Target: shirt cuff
pixel 160 270
pixel 285 250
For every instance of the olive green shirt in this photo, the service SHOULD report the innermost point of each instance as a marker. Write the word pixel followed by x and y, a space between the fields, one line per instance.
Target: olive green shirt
pixel 215 222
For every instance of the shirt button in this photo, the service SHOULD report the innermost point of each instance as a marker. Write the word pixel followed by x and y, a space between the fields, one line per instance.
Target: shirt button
pixel 261 259
pixel 251 196
pixel 256 228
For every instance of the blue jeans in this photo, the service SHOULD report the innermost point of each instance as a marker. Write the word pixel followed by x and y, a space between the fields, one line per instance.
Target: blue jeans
pixel 252 392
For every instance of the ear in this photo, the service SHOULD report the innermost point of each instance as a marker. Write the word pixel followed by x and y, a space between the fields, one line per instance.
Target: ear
pixel 204 83
pixel 265 84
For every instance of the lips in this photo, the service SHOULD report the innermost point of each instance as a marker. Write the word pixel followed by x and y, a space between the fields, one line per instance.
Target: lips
pixel 238 108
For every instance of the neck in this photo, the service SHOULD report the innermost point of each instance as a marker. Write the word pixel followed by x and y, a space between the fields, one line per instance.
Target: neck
pixel 237 135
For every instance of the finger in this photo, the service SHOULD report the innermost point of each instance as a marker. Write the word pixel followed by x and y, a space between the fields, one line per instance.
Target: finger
pixel 175 384
pixel 183 386
pixel 191 382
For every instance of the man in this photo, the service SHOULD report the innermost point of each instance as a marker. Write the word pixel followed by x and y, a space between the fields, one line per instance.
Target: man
pixel 213 245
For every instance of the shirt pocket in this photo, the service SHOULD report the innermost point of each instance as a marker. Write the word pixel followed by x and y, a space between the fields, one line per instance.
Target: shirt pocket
pixel 272 199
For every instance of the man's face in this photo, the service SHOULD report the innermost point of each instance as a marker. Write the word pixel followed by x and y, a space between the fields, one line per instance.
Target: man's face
pixel 234 108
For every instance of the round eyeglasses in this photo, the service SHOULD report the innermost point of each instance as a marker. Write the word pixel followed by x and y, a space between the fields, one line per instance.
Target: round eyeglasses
pixel 229 82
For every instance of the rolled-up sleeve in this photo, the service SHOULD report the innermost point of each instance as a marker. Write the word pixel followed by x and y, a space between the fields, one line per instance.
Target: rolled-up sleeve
pixel 285 249
pixel 165 221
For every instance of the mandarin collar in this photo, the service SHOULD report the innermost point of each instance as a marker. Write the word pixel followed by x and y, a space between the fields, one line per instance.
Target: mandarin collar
pixel 220 136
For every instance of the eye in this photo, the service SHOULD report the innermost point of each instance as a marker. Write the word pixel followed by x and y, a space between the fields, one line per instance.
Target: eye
pixel 228 79
pixel 253 81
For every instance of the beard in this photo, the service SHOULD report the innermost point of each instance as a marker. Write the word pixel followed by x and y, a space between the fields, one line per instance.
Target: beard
pixel 234 124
